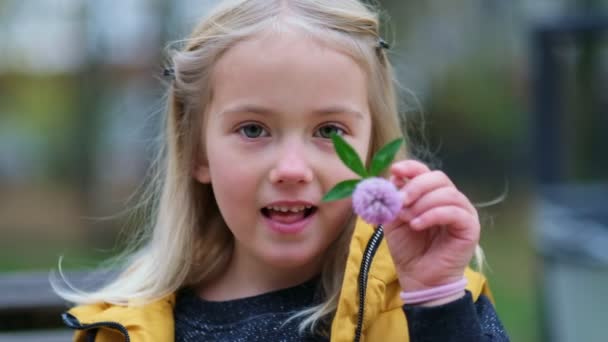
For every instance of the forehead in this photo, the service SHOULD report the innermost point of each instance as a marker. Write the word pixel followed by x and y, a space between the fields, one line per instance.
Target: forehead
pixel 288 70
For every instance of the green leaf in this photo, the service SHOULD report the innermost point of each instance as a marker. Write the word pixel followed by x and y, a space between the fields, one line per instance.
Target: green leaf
pixel 348 155
pixel 341 190
pixel 383 158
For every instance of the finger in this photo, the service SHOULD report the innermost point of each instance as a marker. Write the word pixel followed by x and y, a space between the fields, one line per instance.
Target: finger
pixel 443 196
pixel 417 187
pixel 403 170
pixel 397 181
pixel 408 168
pixel 455 219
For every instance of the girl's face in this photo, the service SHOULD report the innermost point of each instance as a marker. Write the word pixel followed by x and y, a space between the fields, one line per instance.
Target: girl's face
pixel 276 100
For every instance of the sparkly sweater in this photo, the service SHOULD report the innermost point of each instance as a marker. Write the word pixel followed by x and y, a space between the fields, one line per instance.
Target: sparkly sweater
pixel 263 318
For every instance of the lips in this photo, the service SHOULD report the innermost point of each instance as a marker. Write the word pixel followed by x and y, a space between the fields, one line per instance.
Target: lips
pixel 288 216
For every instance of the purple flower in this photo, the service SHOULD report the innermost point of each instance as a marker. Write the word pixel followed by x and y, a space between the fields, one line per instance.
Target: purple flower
pixel 376 200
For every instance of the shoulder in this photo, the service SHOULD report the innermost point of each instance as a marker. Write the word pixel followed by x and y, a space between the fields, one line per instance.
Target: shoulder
pixel 152 321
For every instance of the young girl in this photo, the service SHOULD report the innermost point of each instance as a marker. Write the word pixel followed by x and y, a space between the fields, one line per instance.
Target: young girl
pixel 241 247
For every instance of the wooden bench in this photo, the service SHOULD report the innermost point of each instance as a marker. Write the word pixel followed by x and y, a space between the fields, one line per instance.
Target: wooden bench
pixel 30 310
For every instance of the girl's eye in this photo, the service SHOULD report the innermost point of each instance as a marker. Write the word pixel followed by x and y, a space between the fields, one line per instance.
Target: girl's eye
pixel 327 130
pixel 252 131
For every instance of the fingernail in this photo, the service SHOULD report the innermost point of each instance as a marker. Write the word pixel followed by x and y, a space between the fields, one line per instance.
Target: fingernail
pixel 416 222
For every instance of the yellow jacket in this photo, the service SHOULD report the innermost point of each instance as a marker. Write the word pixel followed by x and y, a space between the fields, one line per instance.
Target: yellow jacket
pixel 383 318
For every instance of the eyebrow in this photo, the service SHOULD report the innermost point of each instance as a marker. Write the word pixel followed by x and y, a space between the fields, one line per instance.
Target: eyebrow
pixel 248 108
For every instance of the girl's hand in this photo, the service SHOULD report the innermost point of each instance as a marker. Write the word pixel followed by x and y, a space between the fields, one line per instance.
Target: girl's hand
pixel 433 238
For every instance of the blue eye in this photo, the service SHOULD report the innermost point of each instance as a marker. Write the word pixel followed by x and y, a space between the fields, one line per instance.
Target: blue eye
pixel 252 131
pixel 327 130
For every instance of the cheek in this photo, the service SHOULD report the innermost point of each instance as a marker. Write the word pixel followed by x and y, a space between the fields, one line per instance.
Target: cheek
pixel 333 171
pixel 233 182
pixel 232 194
pixel 337 215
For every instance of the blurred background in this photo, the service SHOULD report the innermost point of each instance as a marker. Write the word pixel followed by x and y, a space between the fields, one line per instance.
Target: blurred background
pixel 507 97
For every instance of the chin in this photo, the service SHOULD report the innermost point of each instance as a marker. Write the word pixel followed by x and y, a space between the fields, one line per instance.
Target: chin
pixel 291 258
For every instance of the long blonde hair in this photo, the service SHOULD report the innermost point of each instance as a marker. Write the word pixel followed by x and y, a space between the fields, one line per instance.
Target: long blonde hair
pixel 186 240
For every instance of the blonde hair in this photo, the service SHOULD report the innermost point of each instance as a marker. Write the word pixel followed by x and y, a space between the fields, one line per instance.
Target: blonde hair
pixel 186 241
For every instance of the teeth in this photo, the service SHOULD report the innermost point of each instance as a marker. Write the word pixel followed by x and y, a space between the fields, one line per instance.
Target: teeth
pixel 291 209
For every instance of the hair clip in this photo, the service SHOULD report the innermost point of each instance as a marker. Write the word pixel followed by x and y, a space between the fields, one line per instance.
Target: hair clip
pixel 169 72
pixel 382 44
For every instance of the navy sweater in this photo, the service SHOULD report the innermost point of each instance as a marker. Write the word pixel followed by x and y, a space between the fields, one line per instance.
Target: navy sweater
pixel 263 318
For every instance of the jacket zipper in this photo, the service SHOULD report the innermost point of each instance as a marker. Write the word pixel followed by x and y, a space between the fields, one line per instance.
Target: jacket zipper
pixel 73 323
pixel 366 262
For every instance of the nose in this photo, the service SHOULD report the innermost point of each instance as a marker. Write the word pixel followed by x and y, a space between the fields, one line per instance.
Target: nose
pixel 291 167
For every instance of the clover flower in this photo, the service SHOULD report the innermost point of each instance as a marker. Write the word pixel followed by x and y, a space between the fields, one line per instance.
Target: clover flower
pixel 376 200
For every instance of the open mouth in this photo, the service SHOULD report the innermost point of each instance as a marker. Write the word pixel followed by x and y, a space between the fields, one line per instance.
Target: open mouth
pixel 288 214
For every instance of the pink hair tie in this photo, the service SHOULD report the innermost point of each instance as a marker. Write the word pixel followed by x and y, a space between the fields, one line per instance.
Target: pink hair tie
pixel 437 292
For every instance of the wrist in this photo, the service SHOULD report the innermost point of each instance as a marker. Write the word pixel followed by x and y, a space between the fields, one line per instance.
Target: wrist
pixel 444 300
pixel 409 284
pixel 437 295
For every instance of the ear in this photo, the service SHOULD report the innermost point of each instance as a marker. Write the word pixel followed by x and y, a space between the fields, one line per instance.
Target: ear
pixel 201 172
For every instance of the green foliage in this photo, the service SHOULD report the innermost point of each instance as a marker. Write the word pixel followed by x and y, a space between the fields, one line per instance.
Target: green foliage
pixel 381 160
pixel 478 100
pixel 348 155
pixel 42 109
pixel 341 190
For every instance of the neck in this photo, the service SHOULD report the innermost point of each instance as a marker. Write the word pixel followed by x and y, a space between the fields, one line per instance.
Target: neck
pixel 246 277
